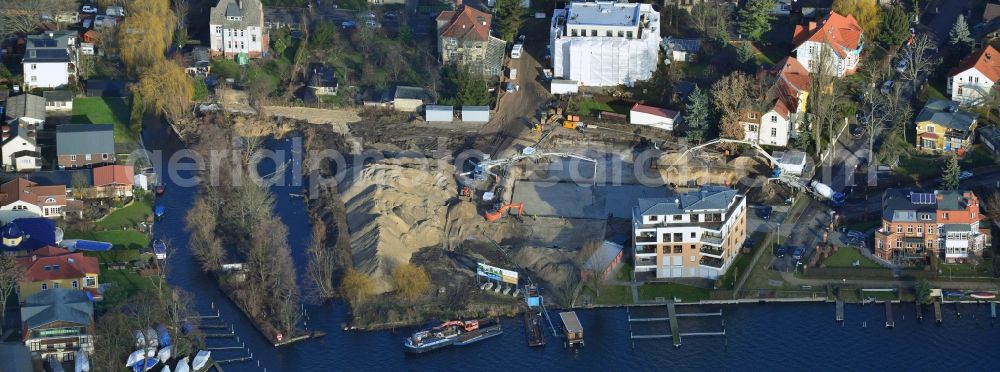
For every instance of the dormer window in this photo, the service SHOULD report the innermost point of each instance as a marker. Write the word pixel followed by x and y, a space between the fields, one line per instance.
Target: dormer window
pixel 50 200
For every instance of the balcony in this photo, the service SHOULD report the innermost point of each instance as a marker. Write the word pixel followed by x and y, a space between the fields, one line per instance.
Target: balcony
pixel 645 249
pixel 645 237
pixel 714 263
pixel 645 262
pixel 712 239
pixel 712 251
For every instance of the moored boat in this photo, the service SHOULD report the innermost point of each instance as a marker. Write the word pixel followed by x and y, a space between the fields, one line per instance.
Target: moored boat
pixel 451 333
pixel 983 295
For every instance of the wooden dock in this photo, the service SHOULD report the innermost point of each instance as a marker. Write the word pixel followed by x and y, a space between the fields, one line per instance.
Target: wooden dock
pixel 840 310
pixel 937 311
pixel 889 321
pixel 533 328
pixel 993 310
pixel 674 328
pixel 920 310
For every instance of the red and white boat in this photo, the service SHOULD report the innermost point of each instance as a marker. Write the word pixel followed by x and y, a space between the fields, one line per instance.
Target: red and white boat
pixel 983 295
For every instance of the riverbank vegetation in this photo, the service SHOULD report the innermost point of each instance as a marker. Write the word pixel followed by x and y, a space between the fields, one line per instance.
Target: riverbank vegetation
pixel 233 221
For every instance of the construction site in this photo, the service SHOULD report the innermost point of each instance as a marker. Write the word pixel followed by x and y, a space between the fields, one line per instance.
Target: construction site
pixel 536 197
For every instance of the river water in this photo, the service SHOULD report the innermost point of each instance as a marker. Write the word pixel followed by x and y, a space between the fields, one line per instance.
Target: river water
pixel 759 336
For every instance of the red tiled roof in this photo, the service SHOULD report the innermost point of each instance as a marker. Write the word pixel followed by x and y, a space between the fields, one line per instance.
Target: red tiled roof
pixel 109 175
pixel 661 112
pixel 30 192
pixel 929 135
pixel 841 32
pixel 986 61
pixel 466 23
pixel 61 264
pixel 794 73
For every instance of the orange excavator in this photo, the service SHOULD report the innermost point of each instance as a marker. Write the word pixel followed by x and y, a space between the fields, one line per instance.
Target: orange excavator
pixel 494 215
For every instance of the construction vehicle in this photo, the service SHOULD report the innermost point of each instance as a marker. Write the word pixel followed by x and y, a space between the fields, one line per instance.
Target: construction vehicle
pixel 494 215
pixel 574 124
pixel 465 191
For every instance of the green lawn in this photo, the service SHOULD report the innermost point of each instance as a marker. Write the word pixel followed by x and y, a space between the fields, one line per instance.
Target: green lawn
pixel 589 107
pixel 126 280
pixel 121 239
pixel 610 295
pixel 668 291
pixel 105 110
pixel 695 70
pixel 128 216
pixel 966 270
pixel 845 257
pixel 978 157
pixel 932 91
pixel 625 272
pixel 919 167
pixel 742 262
pixel 880 295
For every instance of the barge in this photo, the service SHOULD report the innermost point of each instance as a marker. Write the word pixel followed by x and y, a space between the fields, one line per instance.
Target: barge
pixel 456 332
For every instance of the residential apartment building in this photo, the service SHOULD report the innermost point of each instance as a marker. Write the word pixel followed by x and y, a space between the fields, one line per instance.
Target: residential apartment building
pixel 841 36
pixel 464 40
pixel 605 43
pixel 237 27
pixel 916 226
pixel 50 59
pixel 85 145
pixel 57 323
pixel 20 198
pixel 941 126
pixel 695 235
pixel 975 77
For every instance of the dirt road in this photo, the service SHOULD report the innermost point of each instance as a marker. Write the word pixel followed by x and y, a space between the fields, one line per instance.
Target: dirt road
pixel 338 118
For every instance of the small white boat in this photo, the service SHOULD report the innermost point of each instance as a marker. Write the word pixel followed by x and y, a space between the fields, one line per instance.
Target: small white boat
pixel 135 357
pixel 201 360
pixel 182 365
pixel 164 354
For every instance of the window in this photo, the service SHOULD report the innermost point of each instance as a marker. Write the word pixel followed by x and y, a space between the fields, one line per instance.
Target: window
pixel 920 229
pixel 104 156
pixel 752 115
pixel 89 282
pixel 609 34
pixel 629 34
pixel 72 158
pixel 34 78
pixel 653 218
pixel 621 33
pixel 45 286
pixel 50 200
pixel 930 128
pixel 34 66
pixel 693 235
pixel 774 118
pixel 19 208
pixel 76 284
pixel 573 33
pixel 977 79
pixel 774 132
pixel 693 246
pixel 899 244
pixel 899 228
pixel 55 285
pixel 752 128
pixel 677 217
pixel 945 216
pixel 86 157
pixel 692 258
pixel 812 48
pixel 593 32
pixel 678 237
pixel 678 248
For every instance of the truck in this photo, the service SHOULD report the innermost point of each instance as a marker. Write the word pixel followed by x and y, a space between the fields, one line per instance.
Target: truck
pixel 515 52
pixel 513 74
pixel 559 86
pixel 821 189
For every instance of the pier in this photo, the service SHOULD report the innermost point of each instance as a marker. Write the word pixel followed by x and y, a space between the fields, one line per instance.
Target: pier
pixel 673 320
pixel 937 311
pixel 840 310
pixel 993 310
pixel 889 321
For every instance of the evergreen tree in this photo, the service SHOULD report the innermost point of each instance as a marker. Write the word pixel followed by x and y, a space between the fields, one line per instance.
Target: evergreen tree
pixel 510 16
pixel 803 139
pixel 949 181
pixel 745 55
pixel 959 34
pixel 697 115
pixel 894 27
pixel 755 18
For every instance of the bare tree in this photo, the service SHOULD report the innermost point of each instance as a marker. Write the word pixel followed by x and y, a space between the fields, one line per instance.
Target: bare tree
pixel 823 99
pixel 920 57
pixel 10 274
pixel 21 17
pixel 181 10
pixel 731 95
pixel 876 108
pixel 710 19
pixel 205 245
pixel 322 264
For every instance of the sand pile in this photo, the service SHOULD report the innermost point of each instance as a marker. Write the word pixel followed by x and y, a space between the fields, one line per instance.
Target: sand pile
pixel 557 270
pixel 394 208
pixel 706 169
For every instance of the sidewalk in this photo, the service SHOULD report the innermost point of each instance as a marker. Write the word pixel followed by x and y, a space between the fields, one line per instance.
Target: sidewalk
pixel 975 286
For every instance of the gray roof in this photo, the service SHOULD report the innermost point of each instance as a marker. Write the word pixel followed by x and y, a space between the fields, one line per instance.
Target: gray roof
pixel 945 113
pixel 441 108
pixel 58 96
pixel 897 206
pixel 603 256
pixel 74 139
pixel 792 157
pixel 709 198
pixel 46 56
pixel 957 227
pixel 405 92
pixel 199 57
pixel 57 304
pixel 16 357
pixel 26 106
pixel 49 46
pixel 249 11
pixel 951 200
pixel 321 76
pixel 991 133
pixel 682 45
pixel 60 177
pixel 22 130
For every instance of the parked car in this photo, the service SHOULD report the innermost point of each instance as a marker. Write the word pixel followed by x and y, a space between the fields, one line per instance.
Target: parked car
pixel 781 252
pixel 89 9
pixel 965 175
pixel 510 87
pixel 886 87
pixel 348 24
pixel 798 252
pixel 854 234
pixel 901 65
pixel 856 130
pixel 764 212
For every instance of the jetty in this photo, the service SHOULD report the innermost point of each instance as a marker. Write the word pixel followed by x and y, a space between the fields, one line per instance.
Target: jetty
pixel 937 311
pixel 889 321
pixel 673 320
pixel 993 310
pixel 840 310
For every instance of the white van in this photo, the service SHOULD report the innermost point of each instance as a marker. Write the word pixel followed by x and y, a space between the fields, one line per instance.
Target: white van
pixel 515 52
pixel 513 74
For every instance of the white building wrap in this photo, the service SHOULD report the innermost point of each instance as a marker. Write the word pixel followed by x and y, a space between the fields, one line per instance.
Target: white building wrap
pixel 605 43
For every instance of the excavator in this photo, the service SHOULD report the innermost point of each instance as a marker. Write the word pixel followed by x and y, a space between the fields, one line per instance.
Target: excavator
pixel 494 215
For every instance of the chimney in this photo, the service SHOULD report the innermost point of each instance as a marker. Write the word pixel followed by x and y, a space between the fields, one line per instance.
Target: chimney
pixel 988 56
pixel 458 4
pixel 239 3
pixel 34 258
pixel 812 26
